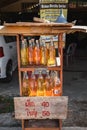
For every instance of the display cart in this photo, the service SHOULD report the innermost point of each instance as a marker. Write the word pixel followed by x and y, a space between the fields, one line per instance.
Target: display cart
pixel 40 108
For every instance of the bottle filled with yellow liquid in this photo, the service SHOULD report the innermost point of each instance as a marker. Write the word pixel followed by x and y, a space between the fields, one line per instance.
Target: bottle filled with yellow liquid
pixel 37 54
pixel 30 53
pixel 48 86
pixel 33 85
pixel 40 88
pixel 52 54
pixel 25 85
pixel 44 52
pixel 57 86
pixel 24 52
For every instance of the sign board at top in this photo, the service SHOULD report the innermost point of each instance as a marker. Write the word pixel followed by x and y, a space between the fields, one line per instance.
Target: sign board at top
pixel 50 10
pixel 53 1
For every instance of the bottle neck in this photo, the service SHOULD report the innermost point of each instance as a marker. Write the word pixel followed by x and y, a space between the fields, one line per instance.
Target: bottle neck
pixel 30 43
pixel 33 42
pixel 37 44
pixel 51 42
pixel 25 75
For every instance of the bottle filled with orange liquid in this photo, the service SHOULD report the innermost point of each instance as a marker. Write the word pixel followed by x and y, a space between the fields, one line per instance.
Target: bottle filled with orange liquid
pixel 37 53
pixel 25 84
pixel 57 86
pixel 48 86
pixel 30 53
pixel 33 85
pixel 40 89
pixel 24 52
pixel 52 54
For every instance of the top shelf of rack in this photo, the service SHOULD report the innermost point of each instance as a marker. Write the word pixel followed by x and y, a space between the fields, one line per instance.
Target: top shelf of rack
pixel 33 28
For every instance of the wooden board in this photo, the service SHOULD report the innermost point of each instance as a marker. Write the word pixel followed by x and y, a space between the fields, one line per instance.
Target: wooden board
pixel 41 129
pixel 37 29
pixel 41 107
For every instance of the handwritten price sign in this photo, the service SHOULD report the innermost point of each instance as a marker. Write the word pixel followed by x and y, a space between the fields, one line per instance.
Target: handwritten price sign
pixel 40 107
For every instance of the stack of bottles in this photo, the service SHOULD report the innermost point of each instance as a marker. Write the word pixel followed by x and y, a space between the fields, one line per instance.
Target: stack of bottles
pixel 40 84
pixel 35 52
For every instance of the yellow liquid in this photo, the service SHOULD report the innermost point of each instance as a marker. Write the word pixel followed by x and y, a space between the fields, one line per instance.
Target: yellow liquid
pixel 25 88
pixel 33 87
pixel 24 56
pixel 52 57
pixel 40 89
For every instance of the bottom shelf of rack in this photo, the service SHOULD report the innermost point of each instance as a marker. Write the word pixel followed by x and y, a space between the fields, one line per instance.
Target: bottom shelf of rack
pixel 46 124
pixel 41 128
pixel 43 123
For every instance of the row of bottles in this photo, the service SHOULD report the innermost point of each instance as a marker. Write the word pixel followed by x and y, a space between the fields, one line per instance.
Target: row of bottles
pixel 35 52
pixel 41 84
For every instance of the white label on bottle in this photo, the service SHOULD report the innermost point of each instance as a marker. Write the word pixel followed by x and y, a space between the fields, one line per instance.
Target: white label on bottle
pixel 56 91
pixel 58 61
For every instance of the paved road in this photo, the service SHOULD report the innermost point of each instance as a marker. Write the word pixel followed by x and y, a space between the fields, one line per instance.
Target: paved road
pixel 64 128
pixel 12 88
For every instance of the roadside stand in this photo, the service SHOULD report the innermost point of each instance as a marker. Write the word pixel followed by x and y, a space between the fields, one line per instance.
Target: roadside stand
pixel 40 74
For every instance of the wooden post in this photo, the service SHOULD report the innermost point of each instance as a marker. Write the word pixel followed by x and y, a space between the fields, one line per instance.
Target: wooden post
pixel 19 63
pixel 60 46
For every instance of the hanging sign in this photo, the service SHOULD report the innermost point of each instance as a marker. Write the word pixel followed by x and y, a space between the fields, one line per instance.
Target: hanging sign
pixel 41 107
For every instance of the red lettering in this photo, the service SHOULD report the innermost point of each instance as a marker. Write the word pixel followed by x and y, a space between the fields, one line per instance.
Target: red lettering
pixel 31 113
pixel 28 103
pixel 45 113
pixel 45 104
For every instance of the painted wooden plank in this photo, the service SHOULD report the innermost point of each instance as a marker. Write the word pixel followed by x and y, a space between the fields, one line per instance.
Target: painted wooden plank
pixel 41 128
pixel 41 107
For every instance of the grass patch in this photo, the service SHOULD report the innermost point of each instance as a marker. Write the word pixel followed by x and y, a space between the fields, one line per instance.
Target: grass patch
pixel 6 104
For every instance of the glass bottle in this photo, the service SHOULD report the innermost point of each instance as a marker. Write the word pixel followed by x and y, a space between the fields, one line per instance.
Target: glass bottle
pixel 48 86
pixel 40 89
pixel 33 85
pixel 30 52
pixel 37 54
pixel 24 52
pixel 44 53
pixel 52 80
pixel 25 85
pixel 52 54
pixel 33 42
pixel 57 86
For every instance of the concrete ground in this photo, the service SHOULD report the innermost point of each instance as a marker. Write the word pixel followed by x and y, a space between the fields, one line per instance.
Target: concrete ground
pixel 64 128
pixel 74 86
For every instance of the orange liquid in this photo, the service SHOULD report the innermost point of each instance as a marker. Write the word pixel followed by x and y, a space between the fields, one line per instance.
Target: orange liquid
pixel 33 86
pixel 57 90
pixel 25 88
pixel 48 93
pixel 30 57
pixel 48 85
pixel 37 55
pixel 51 58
